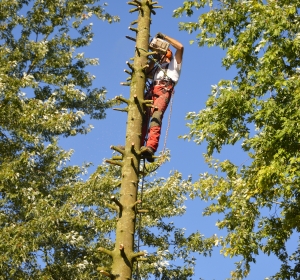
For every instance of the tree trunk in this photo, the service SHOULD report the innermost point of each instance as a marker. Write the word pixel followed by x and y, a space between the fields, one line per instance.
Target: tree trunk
pixel 123 254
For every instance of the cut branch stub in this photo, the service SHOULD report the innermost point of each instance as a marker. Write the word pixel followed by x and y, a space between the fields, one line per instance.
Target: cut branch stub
pixel 137 202
pixel 151 53
pixel 121 109
pixel 113 207
pixel 145 67
pixel 117 158
pixel 118 149
pixel 134 22
pixel 135 3
pixel 105 251
pixel 148 103
pixel 133 29
pixel 129 65
pixel 127 71
pixel 138 51
pixel 135 9
pixel 110 161
pixel 143 211
pixel 125 84
pixel 122 99
pixel 130 38
pixel 105 273
pixel 138 254
pixel 141 259
pixel 113 198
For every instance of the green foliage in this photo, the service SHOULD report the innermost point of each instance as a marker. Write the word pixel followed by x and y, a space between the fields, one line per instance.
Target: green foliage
pixel 258 109
pixel 164 243
pixel 45 92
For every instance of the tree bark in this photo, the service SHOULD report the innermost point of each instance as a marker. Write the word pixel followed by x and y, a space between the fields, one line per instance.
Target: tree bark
pixel 123 254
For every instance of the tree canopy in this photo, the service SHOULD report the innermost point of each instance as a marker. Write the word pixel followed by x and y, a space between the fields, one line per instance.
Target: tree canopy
pixel 45 92
pixel 258 109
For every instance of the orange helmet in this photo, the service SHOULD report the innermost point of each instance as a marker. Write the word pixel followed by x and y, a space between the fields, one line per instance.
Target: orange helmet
pixel 169 54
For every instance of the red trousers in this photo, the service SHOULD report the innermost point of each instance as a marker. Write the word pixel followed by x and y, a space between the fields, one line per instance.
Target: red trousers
pixel 161 96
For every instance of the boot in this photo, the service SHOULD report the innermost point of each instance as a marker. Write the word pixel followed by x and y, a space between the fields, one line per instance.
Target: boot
pixel 148 153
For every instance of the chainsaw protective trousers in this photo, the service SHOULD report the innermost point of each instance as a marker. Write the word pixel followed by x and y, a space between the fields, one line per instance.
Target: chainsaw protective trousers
pixel 161 96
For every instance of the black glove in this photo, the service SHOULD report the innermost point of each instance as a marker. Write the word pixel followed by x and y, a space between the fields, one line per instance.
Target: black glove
pixel 160 35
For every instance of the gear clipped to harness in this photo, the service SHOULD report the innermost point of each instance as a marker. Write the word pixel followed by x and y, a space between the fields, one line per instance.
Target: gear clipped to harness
pixel 159 45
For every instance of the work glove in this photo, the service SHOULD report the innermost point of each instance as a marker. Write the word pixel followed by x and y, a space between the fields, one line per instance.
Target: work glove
pixel 160 35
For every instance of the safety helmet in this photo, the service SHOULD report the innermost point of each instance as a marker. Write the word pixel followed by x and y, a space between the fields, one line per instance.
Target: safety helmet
pixel 169 54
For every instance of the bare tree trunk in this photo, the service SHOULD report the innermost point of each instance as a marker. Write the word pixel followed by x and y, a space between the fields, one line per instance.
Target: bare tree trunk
pixel 123 254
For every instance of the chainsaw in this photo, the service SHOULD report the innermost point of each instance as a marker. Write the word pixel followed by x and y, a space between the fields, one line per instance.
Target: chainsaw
pixel 157 44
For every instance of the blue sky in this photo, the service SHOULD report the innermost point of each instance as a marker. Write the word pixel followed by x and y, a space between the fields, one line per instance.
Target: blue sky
pixel 200 70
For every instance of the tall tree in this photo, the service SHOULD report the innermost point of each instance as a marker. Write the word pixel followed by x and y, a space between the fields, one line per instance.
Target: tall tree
pixel 258 109
pixel 53 225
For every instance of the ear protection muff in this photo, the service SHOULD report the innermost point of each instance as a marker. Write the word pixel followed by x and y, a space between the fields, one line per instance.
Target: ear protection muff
pixel 169 54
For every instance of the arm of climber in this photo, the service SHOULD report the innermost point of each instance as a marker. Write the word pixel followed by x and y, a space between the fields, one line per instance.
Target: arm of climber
pixel 178 46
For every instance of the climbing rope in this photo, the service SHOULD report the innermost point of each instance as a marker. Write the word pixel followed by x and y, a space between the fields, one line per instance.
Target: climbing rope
pixel 140 218
pixel 169 123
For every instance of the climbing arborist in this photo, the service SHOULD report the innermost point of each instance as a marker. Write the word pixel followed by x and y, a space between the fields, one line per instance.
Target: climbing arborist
pixel 164 74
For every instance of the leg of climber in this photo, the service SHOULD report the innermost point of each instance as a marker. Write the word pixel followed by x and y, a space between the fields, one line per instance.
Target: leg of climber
pixel 161 98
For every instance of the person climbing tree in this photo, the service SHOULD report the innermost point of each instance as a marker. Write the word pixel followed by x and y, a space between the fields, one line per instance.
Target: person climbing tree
pixel 164 72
